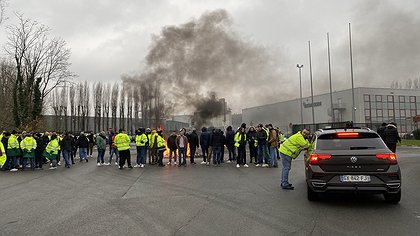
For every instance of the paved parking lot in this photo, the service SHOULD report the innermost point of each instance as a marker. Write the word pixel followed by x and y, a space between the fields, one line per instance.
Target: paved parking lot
pixel 196 200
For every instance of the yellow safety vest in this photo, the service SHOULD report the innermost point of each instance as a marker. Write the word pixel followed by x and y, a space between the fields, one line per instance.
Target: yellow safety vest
pixel 3 157
pixel 141 140
pixel 238 138
pixel 28 144
pixel 122 141
pixel 53 147
pixel 294 145
pixel 13 142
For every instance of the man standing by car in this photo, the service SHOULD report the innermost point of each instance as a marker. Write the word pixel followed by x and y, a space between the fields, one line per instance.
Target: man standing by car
pixel 289 150
pixel 391 137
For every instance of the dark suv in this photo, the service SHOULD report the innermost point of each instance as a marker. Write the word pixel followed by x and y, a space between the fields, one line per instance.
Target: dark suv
pixel 352 160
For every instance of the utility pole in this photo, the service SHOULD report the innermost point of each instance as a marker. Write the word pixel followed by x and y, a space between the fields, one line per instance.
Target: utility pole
pixel 312 88
pixel 329 73
pixel 353 114
pixel 300 83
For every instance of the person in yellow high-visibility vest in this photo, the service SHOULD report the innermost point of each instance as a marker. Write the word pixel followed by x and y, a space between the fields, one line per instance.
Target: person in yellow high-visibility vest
pixel 3 157
pixel 290 149
pixel 13 150
pixel 122 141
pixel 28 146
pixel 141 144
pixel 51 151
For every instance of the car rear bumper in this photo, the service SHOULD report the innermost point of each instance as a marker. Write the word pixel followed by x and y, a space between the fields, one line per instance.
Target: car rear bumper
pixel 322 186
pixel 380 182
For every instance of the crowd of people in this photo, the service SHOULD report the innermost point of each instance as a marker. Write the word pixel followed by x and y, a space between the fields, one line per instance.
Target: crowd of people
pixel 23 150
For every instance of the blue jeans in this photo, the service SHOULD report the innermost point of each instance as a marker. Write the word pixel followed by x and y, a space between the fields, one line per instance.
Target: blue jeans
pixel 113 151
pixel 287 165
pixel 31 160
pixel 263 154
pixel 83 153
pixel 205 151
pixel 273 155
pixel 66 154
pixel 13 162
pixel 172 153
pixel 143 155
pixel 231 149
pixel 101 154
pixel 182 152
pixel 216 155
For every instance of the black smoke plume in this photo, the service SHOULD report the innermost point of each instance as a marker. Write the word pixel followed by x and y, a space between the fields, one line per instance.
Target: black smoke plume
pixel 189 61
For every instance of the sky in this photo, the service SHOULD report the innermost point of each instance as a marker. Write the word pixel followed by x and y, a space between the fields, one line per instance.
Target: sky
pixel 109 39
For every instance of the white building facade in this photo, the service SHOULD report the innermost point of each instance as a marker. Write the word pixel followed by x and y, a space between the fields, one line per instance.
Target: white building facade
pixel 372 105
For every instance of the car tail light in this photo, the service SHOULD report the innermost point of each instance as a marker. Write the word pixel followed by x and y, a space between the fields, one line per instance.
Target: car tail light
pixel 314 158
pixel 347 135
pixel 387 156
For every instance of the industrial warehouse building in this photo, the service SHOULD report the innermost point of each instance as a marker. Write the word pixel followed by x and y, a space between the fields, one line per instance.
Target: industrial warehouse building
pixel 372 106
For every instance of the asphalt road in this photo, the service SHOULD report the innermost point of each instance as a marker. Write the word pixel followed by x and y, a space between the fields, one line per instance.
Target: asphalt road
pixel 196 200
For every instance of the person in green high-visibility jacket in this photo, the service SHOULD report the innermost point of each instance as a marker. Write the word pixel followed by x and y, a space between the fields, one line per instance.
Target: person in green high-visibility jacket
pixel 13 150
pixel 122 141
pixel 28 147
pixel 3 157
pixel 290 149
pixel 141 144
pixel 51 151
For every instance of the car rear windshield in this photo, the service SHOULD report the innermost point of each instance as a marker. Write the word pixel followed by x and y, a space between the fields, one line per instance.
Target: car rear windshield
pixel 362 141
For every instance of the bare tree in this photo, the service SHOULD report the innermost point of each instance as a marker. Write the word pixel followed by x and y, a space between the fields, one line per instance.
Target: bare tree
pixel 130 104
pixel 7 81
pixel 97 101
pixel 41 66
pixel 73 108
pixel 123 96
pixel 106 101
pixel 114 104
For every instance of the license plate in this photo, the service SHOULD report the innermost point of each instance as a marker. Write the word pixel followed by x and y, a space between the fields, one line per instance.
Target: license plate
pixel 355 178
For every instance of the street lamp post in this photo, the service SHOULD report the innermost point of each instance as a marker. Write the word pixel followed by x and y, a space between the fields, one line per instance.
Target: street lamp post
pixel 300 83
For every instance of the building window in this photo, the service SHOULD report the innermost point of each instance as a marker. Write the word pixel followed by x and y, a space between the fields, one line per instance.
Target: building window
pixel 378 98
pixel 412 99
pixel 402 113
pixel 366 98
pixel 390 105
pixel 413 113
pixel 401 99
pixel 390 113
pixel 379 113
pixel 403 128
pixel 390 98
pixel 367 112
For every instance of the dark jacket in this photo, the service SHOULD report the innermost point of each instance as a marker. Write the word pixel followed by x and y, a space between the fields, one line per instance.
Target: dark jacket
pixel 251 136
pixel 82 141
pixel 391 134
pixel 204 139
pixel 67 143
pixel 91 138
pixel 381 132
pixel 262 137
pixel 193 139
pixel 172 142
pixel 217 139
pixel 230 138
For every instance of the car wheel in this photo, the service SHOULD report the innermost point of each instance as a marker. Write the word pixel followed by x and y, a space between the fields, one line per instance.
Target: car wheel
pixel 393 197
pixel 312 196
